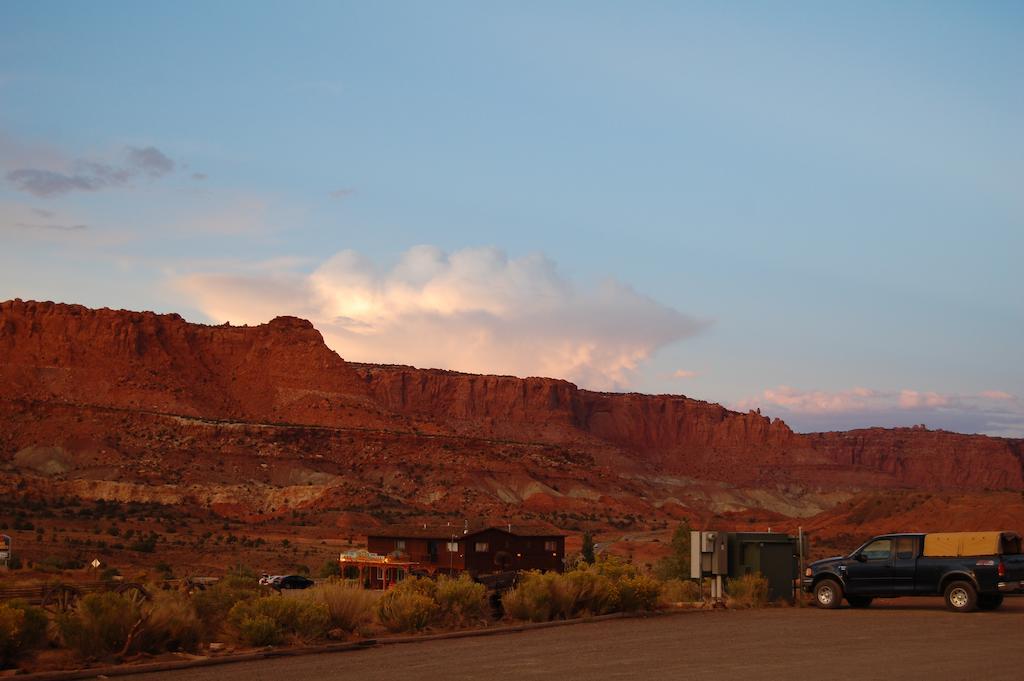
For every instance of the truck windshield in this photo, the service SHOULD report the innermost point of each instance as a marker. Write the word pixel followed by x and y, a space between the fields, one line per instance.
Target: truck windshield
pixel 880 549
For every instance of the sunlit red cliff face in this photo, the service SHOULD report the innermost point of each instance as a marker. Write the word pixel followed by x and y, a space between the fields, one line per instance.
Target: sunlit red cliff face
pixel 253 422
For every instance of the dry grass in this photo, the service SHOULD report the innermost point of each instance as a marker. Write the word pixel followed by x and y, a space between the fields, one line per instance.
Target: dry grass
pixel 170 624
pixel 349 606
pixel 748 591
pixel 100 624
pixel 680 591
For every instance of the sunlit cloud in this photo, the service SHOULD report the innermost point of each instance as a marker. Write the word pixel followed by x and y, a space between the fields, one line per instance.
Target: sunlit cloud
pixel 473 310
pixel 993 412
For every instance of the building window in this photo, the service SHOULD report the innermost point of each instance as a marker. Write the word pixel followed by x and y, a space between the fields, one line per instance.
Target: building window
pixel 482 547
pixel 453 547
pixel 399 545
pixel 550 546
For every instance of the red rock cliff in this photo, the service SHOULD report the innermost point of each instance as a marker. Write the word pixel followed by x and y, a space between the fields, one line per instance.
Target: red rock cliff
pixel 281 372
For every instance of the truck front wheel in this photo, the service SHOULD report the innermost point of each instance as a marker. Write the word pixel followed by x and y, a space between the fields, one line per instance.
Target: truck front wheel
pixel 961 597
pixel 828 594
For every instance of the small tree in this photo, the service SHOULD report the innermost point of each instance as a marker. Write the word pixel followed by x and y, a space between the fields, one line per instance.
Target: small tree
pixel 677 564
pixel 330 568
pixel 588 547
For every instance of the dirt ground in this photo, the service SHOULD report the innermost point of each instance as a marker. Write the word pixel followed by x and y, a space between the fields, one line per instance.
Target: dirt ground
pixel 905 639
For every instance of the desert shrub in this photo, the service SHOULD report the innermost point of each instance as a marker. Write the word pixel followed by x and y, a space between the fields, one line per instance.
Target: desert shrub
pixel 409 606
pixel 615 568
pixel 460 600
pixel 22 628
pixel 748 591
pixel 349 606
pixel 100 624
pixel 12 623
pixel 638 593
pixel 259 630
pixel 301 617
pixel 539 597
pixel 609 585
pixel 680 591
pixel 593 593
pixel 213 604
pixel 171 624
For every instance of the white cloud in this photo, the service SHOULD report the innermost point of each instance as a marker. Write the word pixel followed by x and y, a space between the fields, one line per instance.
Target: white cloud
pixel 472 310
pixel 683 373
pixel 994 412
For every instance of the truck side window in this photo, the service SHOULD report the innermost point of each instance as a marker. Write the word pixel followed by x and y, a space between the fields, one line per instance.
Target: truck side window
pixel 878 550
pixel 904 548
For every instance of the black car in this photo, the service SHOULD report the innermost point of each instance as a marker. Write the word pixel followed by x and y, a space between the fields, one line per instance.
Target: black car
pixel 291 582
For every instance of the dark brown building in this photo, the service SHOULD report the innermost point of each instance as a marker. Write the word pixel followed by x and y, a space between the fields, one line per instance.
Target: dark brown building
pixel 479 551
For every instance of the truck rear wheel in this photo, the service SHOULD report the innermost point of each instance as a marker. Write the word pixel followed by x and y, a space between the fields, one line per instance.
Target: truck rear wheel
pixel 961 597
pixel 828 594
pixel 859 601
pixel 989 601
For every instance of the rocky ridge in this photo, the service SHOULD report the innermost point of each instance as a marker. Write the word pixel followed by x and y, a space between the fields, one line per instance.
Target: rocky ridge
pixel 258 420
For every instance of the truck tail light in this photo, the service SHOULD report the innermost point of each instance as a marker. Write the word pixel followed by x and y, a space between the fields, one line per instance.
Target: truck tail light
pixel 1001 570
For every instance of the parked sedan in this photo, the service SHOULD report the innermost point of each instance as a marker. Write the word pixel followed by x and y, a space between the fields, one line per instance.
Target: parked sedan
pixel 291 582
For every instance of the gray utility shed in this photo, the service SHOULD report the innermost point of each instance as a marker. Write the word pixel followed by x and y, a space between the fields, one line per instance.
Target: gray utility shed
pixel 774 555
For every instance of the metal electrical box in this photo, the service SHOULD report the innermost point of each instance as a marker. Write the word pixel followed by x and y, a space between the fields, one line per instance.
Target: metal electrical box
pixel 709 554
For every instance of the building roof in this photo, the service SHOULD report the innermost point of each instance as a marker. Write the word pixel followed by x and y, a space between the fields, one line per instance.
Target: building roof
pixel 446 532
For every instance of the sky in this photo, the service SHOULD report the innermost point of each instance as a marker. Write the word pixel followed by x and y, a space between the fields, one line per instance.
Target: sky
pixel 811 209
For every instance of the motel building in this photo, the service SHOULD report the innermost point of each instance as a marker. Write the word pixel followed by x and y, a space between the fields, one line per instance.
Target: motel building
pixel 396 551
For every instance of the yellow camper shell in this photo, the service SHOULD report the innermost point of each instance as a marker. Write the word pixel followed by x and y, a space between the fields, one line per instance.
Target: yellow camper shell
pixel 970 543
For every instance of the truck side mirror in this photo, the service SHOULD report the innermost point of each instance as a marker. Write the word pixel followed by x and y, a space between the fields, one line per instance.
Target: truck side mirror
pixel 861 558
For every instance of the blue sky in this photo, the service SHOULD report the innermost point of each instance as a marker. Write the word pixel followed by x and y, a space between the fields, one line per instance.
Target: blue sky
pixel 813 210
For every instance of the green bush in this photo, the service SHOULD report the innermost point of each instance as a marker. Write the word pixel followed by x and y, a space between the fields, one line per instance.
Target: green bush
pixel 259 630
pixel 171 624
pixel 100 624
pixel 349 606
pixel 608 585
pixel 409 606
pixel 301 617
pixel 213 604
pixel 539 597
pixel 638 593
pixel 748 591
pixel 593 592
pixel 22 628
pixel 460 600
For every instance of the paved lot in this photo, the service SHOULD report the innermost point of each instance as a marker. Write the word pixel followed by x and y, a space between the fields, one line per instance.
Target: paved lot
pixel 907 639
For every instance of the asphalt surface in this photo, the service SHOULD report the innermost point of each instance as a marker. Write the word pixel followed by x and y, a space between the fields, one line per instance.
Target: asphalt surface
pixel 906 639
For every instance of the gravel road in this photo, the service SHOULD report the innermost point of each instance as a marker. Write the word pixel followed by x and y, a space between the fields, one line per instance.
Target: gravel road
pixel 905 640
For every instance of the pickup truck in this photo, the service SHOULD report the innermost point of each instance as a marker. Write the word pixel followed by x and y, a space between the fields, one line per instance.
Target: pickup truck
pixel 971 570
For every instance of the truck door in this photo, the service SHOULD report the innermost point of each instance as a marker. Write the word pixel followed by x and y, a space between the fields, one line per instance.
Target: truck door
pixel 904 565
pixel 871 575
